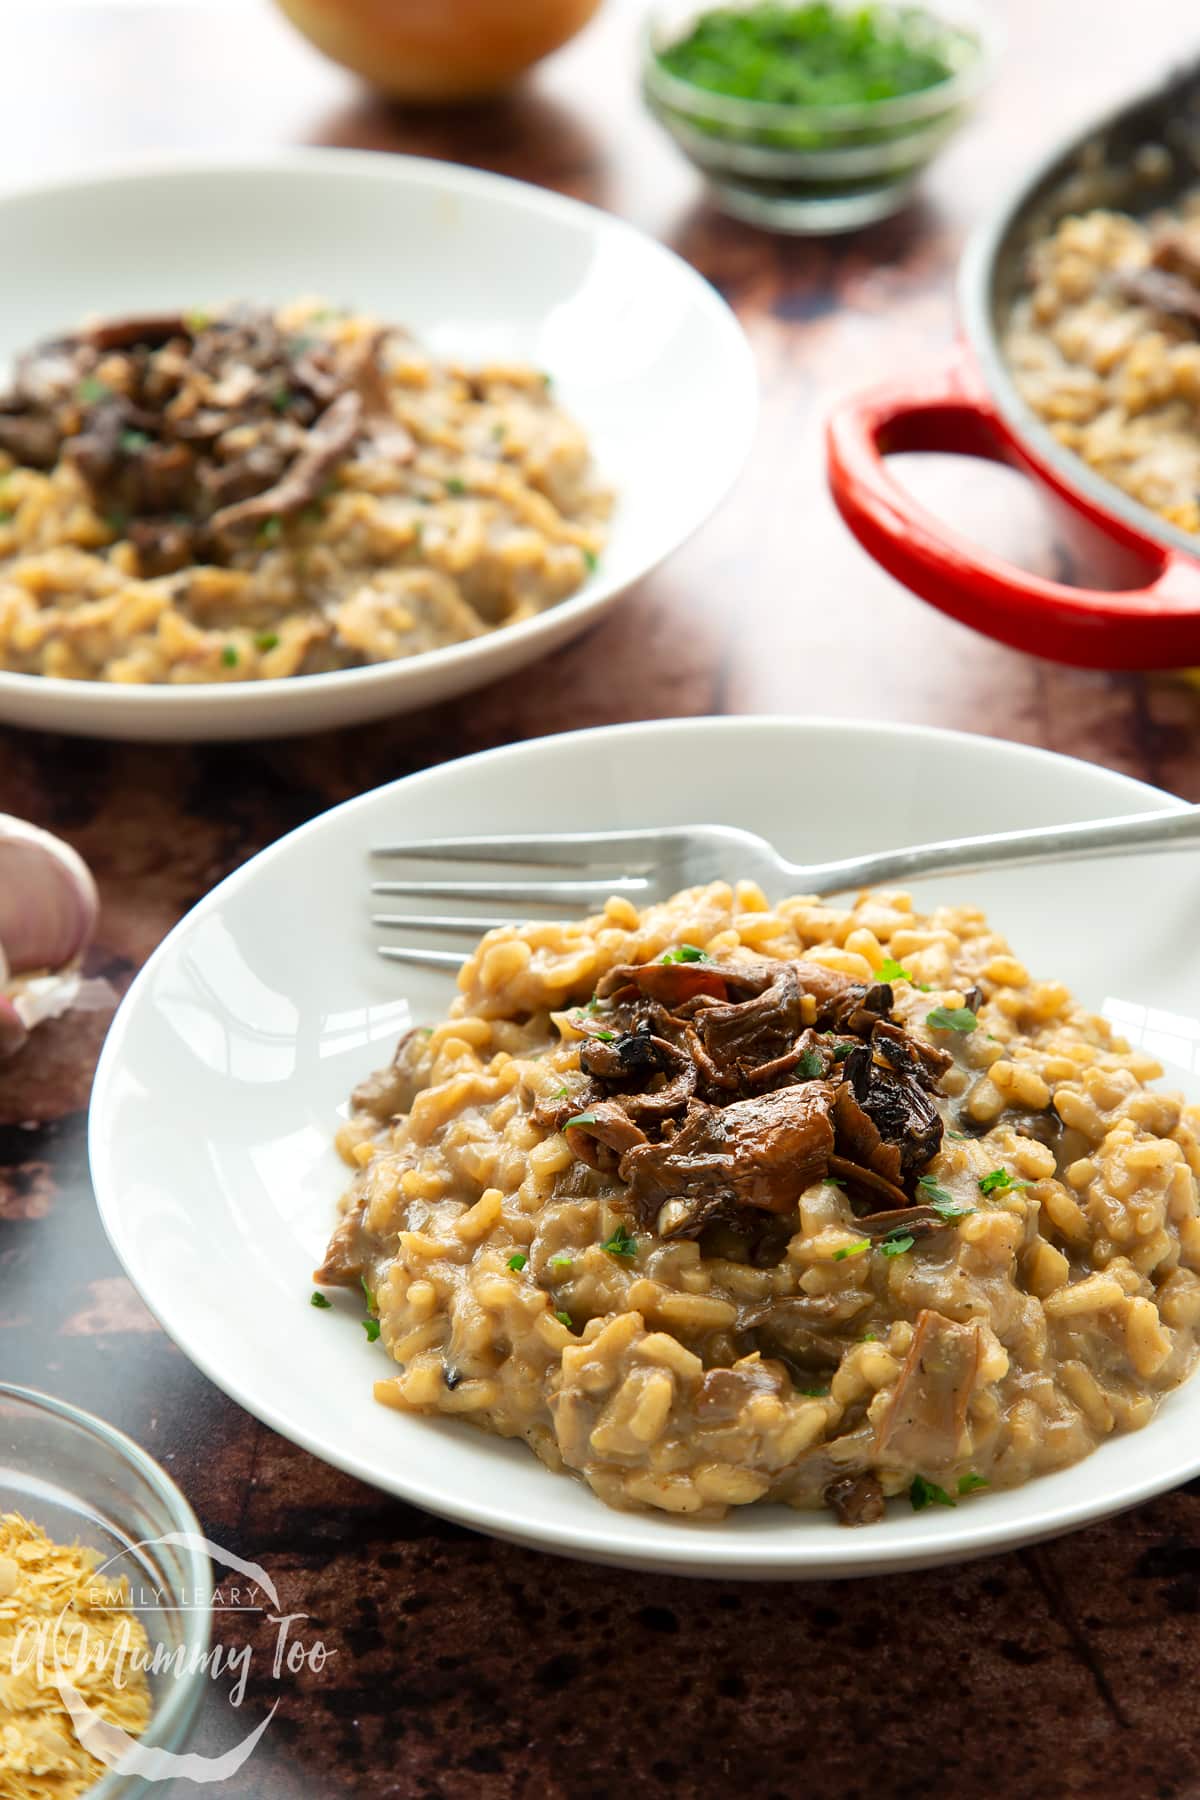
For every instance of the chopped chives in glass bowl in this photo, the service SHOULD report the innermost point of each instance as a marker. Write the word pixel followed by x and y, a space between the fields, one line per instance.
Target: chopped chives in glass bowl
pixel 815 117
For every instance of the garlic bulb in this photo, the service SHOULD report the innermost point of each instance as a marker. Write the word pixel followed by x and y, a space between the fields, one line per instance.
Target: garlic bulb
pixel 48 900
pixel 48 911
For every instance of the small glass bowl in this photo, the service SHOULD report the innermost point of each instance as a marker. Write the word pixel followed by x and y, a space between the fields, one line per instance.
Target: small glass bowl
pixel 816 169
pixel 81 1481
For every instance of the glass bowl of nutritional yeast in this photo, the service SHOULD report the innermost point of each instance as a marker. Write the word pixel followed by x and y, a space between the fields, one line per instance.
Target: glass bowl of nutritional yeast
pixel 105 1588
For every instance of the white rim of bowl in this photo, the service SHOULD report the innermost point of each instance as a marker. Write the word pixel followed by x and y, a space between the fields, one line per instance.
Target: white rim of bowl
pixel 170 1720
pixel 384 166
pixel 673 1555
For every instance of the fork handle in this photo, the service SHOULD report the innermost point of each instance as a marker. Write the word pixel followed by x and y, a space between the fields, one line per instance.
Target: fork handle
pixel 1141 832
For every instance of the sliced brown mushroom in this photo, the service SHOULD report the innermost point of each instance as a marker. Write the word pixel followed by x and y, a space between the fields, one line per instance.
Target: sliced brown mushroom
pixel 914 1221
pixel 924 1421
pixel 145 328
pixel 746 1082
pixel 1171 295
pixel 856 1499
pixel 607 1125
pixel 188 432
pixel 329 441
pixel 760 1153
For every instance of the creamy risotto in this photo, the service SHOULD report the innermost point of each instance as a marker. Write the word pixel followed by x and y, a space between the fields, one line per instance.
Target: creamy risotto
pixel 252 494
pixel 1105 347
pixel 724 1202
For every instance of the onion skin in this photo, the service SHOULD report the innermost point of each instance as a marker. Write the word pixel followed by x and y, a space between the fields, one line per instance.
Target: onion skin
pixel 430 51
pixel 48 900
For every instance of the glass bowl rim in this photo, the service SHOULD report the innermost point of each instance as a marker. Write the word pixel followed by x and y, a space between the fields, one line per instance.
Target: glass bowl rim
pixel 758 115
pixel 172 1716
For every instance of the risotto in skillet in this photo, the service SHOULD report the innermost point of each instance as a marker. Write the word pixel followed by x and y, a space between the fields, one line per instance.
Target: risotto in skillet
pixel 249 494
pixel 1105 347
pixel 723 1202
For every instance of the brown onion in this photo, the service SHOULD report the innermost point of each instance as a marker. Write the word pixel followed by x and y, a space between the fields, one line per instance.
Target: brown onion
pixel 437 50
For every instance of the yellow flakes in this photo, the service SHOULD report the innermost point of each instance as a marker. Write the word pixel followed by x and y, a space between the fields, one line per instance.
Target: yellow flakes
pixel 60 1619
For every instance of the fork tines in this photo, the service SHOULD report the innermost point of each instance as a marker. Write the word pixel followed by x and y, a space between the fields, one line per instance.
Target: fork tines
pixel 634 854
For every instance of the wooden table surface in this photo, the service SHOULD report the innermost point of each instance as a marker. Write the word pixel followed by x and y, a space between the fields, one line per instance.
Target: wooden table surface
pixel 462 1666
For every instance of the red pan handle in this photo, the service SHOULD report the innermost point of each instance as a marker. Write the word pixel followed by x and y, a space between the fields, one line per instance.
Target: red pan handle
pixel 1156 626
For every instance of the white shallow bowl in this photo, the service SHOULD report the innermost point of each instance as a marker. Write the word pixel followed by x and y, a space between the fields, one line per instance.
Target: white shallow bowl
pixel 642 350
pixel 222 1078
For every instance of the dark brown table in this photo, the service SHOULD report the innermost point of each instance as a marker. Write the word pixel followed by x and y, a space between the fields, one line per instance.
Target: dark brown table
pixel 462 1666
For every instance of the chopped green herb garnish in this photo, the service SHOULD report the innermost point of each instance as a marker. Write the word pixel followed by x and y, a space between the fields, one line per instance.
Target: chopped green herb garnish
pixel 133 441
pixel 560 1093
pixel 833 1181
pixel 561 1262
pixel 371 1327
pixel 282 398
pixel 925 1493
pixel 814 54
pixel 426 1031
pixel 7 515
pixel 971 1483
pixel 517 1260
pixel 841 1051
pixel 605 1037
pixel 91 390
pixel 896 1246
pixel 592 561
pixel 116 519
pixel 951 1018
pixel 270 530
pixel 991 1037
pixel 686 953
pixel 564 1318
pixel 999 1181
pixel 498 432
pixel 266 640
pixel 321 1301
pixel 810 1064
pixel 580 1119
pixel 370 1296
pixel 621 1243
pixel 547 380
pixel 229 656
pixel 959 1136
pixel 890 970
pixel 869 1337
pixel 455 485
pixel 852 1250
pixel 815 1393
pixel 941 1199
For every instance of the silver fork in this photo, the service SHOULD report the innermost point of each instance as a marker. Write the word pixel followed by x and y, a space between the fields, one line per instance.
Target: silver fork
pixel 650 865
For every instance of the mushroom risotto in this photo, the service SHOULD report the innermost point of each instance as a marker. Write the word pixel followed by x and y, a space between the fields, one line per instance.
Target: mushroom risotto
pixel 724 1202
pixel 250 494
pixel 1105 347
